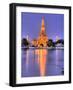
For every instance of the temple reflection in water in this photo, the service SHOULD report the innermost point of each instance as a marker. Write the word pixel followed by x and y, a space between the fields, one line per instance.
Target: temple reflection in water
pixel 41 59
pixel 42 62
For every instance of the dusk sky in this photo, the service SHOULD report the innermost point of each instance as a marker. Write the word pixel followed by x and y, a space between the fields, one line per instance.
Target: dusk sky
pixel 31 25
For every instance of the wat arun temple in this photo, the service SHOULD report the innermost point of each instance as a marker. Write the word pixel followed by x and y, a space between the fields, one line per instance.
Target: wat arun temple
pixel 42 39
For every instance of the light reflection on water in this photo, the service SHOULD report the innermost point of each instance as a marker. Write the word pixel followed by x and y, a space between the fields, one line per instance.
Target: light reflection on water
pixel 42 62
pixel 41 58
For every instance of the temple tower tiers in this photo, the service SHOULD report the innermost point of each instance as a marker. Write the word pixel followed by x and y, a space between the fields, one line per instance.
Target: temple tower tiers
pixel 42 39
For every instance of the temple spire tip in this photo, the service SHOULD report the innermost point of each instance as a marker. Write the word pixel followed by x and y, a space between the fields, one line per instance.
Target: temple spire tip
pixel 42 17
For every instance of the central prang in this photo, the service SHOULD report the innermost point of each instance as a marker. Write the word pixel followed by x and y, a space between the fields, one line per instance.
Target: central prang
pixel 42 39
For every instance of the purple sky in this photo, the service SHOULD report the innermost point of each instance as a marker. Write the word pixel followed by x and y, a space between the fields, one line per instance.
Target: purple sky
pixel 31 24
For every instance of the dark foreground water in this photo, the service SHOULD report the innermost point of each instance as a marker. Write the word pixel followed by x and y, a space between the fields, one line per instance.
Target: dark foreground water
pixel 42 62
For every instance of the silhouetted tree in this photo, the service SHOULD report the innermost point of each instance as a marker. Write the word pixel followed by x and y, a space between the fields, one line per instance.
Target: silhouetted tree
pixel 60 41
pixel 50 43
pixel 25 42
pixel 53 44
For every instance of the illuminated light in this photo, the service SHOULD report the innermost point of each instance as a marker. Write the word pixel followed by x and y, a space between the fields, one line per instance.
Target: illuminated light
pixel 57 38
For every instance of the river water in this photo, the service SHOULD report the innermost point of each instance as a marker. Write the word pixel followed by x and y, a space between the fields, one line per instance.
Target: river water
pixel 42 62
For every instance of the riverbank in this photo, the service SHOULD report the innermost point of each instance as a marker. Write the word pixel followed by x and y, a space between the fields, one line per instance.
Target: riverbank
pixel 42 47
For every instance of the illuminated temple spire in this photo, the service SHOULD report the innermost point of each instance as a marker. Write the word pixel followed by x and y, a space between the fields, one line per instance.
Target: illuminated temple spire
pixel 43 31
pixel 42 39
